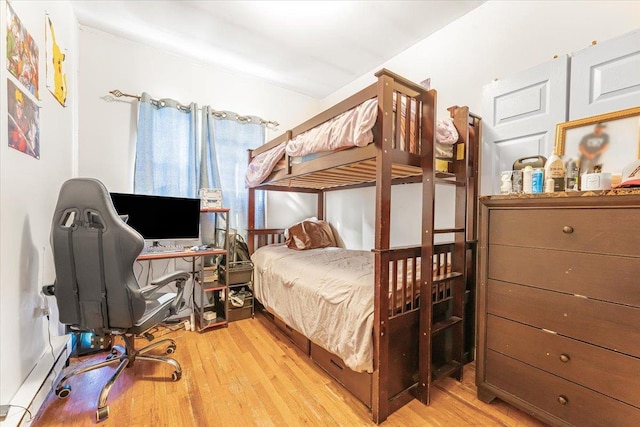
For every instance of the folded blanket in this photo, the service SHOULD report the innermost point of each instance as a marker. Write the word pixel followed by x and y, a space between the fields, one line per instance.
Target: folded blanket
pixel 446 132
pixel 262 165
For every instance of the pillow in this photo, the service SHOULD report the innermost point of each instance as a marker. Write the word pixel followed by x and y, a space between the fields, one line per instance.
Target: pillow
pixel 286 230
pixel 310 235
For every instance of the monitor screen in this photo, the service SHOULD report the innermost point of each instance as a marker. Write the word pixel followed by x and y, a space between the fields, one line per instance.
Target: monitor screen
pixel 160 218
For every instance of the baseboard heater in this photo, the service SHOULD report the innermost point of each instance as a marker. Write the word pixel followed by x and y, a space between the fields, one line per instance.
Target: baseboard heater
pixel 39 383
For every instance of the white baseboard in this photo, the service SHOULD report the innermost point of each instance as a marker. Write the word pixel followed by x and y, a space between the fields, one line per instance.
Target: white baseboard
pixel 36 387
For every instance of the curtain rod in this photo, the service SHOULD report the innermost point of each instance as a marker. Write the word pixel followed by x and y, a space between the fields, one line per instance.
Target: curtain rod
pixel 270 124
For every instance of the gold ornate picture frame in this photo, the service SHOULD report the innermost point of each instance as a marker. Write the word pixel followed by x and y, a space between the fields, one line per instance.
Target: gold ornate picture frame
pixel 611 140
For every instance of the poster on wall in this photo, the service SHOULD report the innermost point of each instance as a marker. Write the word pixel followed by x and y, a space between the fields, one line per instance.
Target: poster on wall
pixel 22 53
pixel 23 121
pixel 56 75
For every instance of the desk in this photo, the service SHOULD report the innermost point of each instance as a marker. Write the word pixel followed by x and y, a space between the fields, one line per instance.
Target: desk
pixel 184 254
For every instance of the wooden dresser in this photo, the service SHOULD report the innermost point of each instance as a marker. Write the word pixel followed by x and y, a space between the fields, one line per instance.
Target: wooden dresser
pixel 559 306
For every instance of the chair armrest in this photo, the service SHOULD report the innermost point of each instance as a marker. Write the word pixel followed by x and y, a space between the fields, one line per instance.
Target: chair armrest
pixel 179 277
pixel 176 276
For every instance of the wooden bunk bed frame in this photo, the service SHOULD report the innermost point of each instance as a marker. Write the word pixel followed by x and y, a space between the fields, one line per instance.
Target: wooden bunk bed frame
pixel 402 337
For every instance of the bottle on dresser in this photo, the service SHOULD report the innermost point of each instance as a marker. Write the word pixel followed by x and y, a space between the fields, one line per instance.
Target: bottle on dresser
pixel 554 169
pixel 572 174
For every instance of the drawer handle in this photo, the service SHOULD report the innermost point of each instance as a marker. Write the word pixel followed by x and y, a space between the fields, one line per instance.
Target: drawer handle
pixel 563 400
pixel 335 364
pixel 564 358
pixel 567 229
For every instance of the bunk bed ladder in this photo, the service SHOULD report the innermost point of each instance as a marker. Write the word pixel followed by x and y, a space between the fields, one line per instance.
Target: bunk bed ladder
pixel 445 355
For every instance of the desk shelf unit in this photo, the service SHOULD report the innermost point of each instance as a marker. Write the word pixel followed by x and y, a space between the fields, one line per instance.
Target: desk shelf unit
pixel 211 294
pixel 238 276
pixel 197 272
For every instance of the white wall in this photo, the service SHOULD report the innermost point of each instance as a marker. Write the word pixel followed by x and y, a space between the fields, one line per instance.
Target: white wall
pixel 107 129
pixel 497 39
pixel 28 193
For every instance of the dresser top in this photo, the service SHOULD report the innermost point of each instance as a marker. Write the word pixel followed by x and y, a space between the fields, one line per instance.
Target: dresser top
pixel 562 194
pixel 621 196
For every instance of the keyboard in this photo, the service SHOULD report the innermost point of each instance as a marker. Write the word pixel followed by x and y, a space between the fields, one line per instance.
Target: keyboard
pixel 162 249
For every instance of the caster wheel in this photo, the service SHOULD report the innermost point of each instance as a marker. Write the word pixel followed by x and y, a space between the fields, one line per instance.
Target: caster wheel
pixel 113 354
pixel 171 349
pixel 63 392
pixel 175 375
pixel 102 413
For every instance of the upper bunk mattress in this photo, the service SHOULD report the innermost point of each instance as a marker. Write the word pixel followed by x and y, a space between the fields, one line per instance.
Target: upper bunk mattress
pixel 349 129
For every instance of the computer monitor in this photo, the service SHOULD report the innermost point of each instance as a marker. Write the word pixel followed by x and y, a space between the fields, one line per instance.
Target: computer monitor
pixel 159 217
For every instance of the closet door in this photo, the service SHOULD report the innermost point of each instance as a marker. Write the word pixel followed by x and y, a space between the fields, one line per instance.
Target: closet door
pixel 520 114
pixel 606 77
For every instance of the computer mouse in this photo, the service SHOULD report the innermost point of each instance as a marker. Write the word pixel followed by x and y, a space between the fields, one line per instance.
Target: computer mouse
pixel 195 248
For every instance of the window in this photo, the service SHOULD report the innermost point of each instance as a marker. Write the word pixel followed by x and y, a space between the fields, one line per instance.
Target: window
pixel 172 161
pixel 232 139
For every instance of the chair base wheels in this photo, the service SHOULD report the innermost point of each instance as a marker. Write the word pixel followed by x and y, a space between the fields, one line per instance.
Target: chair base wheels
pixel 171 349
pixel 176 375
pixel 102 413
pixel 63 392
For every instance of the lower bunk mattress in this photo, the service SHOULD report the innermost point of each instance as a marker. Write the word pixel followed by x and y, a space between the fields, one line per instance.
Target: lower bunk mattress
pixel 326 294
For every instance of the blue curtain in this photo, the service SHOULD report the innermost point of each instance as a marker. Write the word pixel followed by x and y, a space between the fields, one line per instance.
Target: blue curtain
pixel 172 161
pixel 232 138
pixel 209 171
pixel 167 160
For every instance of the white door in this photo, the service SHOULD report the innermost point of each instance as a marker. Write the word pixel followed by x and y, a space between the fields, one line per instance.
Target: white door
pixel 520 114
pixel 606 77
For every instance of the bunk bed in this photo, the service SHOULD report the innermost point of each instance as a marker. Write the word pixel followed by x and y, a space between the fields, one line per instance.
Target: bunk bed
pixel 399 149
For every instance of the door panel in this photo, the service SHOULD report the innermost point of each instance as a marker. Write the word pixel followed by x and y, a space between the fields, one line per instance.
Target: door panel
pixel 606 77
pixel 509 150
pixel 520 115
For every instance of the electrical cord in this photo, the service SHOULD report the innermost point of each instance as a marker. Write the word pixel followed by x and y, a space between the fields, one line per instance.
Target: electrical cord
pixel 45 306
pixel 167 329
pixel 26 410
pixel 149 273
pixel 139 274
pixel 53 354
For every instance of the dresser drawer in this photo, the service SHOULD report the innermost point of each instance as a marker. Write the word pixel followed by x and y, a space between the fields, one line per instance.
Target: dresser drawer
pixel 614 374
pixel 577 405
pixel 609 278
pixel 601 323
pixel 358 383
pixel 607 231
pixel 296 337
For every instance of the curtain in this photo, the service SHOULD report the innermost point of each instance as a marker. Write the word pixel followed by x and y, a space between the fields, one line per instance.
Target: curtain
pixel 232 137
pixel 209 171
pixel 167 160
pixel 171 160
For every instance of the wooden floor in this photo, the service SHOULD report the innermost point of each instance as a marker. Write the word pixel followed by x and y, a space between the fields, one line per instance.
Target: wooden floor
pixel 248 374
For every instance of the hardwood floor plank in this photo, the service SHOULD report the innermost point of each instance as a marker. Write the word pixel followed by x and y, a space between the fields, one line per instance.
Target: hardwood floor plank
pixel 250 375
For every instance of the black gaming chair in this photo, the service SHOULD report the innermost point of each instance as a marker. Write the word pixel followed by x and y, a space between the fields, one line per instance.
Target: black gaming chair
pixel 95 288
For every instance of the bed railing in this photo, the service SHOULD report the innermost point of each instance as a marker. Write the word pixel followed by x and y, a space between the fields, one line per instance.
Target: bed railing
pixel 259 237
pixel 404 277
pixel 404 280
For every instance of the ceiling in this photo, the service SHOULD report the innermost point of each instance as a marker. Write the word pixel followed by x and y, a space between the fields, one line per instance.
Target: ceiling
pixel 312 47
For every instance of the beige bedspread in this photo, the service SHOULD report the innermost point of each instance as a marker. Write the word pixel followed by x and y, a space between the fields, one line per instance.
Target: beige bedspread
pixel 326 294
